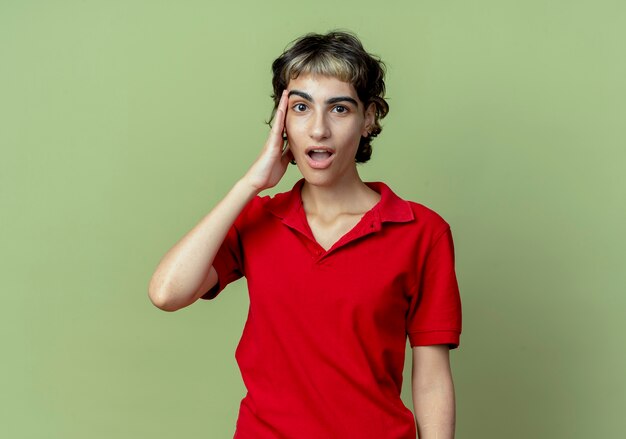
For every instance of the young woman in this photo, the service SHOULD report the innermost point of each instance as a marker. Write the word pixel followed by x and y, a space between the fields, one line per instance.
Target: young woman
pixel 340 272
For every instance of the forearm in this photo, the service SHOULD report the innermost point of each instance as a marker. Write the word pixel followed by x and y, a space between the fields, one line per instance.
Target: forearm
pixel 182 272
pixel 433 392
pixel 435 409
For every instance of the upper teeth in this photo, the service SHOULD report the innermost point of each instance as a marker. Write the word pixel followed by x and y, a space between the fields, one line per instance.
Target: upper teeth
pixel 319 150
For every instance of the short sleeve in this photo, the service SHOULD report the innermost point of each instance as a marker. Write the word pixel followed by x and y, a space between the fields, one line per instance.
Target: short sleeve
pixel 227 262
pixel 434 315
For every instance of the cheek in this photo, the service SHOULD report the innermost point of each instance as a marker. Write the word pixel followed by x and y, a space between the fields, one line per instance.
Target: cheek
pixel 353 131
pixel 293 126
pixel 288 121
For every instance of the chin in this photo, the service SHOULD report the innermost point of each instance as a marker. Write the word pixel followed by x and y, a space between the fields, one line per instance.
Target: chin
pixel 318 178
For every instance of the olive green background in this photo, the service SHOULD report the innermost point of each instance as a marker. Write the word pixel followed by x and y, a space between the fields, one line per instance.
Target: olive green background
pixel 124 122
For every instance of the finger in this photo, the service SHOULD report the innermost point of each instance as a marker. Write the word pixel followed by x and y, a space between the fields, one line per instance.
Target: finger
pixel 279 117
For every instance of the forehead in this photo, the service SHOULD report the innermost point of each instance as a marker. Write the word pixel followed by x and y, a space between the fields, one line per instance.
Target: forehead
pixel 322 86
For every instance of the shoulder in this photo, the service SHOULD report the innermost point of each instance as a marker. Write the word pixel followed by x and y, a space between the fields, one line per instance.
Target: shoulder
pixel 428 224
pixel 263 207
pixel 282 204
pixel 428 216
pixel 422 217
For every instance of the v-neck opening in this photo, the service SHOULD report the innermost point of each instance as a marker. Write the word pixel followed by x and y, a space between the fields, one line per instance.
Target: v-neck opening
pixel 347 237
pixel 289 207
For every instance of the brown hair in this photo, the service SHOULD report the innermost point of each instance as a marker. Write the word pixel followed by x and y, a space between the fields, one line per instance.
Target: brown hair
pixel 339 54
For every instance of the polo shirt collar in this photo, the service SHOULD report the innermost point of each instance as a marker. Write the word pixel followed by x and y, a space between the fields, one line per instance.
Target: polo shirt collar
pixel 390 208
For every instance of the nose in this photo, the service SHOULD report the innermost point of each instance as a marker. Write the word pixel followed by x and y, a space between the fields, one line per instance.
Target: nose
pixel 319 128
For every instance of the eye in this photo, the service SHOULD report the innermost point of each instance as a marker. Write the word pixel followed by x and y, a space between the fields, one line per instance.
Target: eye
pixel 299 108
pixel 340 109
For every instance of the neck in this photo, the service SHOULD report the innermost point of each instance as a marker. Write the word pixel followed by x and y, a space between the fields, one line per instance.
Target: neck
pixel 348 197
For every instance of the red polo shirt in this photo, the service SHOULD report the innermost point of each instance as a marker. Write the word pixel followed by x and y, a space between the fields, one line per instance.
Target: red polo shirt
pixel 323 347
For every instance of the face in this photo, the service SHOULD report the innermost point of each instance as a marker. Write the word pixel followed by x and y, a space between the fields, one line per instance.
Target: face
pixel 324 124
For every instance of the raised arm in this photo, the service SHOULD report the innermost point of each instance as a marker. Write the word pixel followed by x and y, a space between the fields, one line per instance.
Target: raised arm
pixel 433 392
pixel 186 271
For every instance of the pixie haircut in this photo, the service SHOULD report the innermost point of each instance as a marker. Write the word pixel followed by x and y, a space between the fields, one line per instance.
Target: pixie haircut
pixel 341 55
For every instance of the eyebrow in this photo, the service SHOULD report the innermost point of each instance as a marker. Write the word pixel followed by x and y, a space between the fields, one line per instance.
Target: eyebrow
pixel 334 100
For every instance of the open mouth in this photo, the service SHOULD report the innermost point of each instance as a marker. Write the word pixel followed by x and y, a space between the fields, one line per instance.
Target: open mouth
pixel 320 157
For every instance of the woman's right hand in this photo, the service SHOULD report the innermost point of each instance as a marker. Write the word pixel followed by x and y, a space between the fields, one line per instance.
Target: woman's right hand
pixel 272 163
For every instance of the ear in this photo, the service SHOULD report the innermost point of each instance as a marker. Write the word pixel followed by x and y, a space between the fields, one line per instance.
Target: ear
pixel 370 118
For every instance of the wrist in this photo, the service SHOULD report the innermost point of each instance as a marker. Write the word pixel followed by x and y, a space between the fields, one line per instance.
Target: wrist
pixel 246 188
